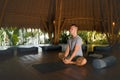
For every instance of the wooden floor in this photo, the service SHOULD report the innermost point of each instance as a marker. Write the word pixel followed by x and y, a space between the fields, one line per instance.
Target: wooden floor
pixel 20 68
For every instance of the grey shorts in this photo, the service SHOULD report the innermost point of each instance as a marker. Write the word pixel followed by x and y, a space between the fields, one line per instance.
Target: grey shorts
pixel 75 58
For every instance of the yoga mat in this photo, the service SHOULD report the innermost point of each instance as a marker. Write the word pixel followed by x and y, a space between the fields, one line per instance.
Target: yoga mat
pixel 49 67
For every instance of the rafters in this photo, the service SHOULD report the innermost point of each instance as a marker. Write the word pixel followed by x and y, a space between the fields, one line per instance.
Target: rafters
pixel 3 11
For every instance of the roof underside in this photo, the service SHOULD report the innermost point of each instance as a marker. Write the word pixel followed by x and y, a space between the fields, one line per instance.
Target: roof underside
pixel 88 14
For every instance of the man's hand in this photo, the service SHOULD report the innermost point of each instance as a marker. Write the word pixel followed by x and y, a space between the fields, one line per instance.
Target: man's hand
pixel 67 61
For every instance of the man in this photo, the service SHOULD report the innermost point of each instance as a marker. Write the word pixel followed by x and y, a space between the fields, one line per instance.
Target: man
pixel 73 49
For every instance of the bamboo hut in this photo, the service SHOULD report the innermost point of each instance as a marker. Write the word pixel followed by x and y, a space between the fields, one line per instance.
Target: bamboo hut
pixel 53 16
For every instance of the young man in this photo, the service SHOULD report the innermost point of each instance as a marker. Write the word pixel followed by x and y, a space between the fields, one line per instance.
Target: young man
pixel 73 53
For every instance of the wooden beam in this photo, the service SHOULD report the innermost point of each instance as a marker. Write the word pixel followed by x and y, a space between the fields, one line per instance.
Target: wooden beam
pixel 62 23
pixel 82 18
pixel 44 24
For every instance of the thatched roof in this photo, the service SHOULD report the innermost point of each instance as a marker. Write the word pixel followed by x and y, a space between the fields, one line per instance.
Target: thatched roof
pixel 88 14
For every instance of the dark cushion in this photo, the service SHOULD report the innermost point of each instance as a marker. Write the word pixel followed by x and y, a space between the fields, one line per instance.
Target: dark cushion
pixel 84 47
pixel 102 48
pixel 24 50
pixel 7 52
pixel 51 48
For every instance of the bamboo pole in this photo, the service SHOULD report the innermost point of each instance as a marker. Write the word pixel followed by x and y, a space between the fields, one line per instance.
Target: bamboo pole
pixel 108 15
pixel 44 24
pixel 55 22
pixel 63 23
pixel 46 29
pixel 111 16
pixel 59 21
pixel 115 24
pixel 110 34
pixel 113 40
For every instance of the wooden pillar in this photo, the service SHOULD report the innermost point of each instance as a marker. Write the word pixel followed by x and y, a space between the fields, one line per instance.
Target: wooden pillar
pixel 110 35
pixel 108 20
pixel 57 23
pixel 108 15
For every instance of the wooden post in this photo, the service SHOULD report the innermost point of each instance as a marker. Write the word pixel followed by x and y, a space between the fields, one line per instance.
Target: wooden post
pixel 108 22
pixel 55 22
pixel 59 21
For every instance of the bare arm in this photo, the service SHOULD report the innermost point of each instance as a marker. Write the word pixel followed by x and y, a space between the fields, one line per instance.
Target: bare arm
pixel 67 51
pixel 69 61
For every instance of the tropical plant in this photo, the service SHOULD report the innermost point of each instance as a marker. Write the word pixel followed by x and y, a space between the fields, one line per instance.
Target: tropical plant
pixel 93 37
pixel 64 37
pixel 13 34
pixel 1 36
pixel 84 36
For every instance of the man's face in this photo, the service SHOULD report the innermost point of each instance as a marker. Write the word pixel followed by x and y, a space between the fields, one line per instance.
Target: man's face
pixel 72 30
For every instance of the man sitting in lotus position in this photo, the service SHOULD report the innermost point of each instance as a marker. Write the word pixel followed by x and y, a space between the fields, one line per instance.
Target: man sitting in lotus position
pixel 73 53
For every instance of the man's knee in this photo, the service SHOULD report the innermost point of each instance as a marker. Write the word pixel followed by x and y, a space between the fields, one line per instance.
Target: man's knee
pixel 80 61
pixel 61 55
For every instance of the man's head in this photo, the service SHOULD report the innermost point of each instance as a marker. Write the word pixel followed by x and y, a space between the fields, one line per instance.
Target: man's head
pixel 73 30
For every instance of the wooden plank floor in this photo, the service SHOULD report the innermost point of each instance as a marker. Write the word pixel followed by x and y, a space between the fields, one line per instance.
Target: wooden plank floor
pixel 20 68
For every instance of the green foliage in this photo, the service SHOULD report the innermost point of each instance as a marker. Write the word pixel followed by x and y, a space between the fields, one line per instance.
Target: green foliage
pixel 64 37
pixel 83 35
pixel 47 41
pixel 93 37
pixel 13 34
pixel 1 36
pixel 88 37
pixel 14 39
pixel 27 34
